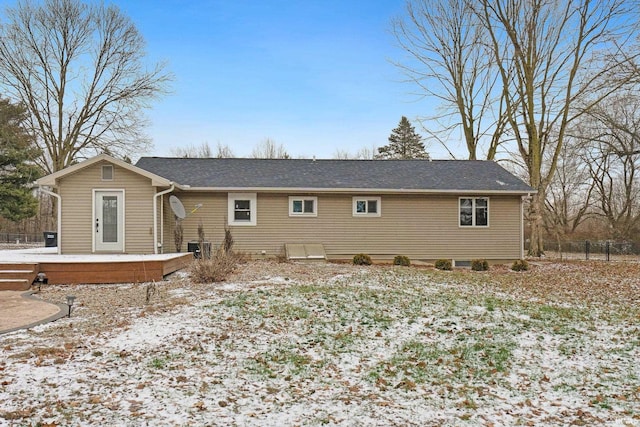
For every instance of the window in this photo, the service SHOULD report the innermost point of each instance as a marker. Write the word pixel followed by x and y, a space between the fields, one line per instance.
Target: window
pixel 107 172
pixel 242 208
pixel 303 206
pixel 367 206
pixel 474 212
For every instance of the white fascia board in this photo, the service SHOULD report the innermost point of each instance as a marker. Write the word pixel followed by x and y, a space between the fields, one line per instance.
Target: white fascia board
pixel 51 180
pixel 353 190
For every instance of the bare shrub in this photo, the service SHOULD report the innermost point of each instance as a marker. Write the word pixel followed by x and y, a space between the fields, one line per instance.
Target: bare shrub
pixel 151 291
pixel 178 234
pixel 217 268
pixel 203 245
pixel 227 243
pixel 200 234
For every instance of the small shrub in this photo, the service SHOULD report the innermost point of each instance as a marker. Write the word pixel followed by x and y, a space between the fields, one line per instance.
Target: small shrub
pixel 178 234
pixel 204 247
pixel 200 232
pixel 227 243
pixel 215 269
pixel 479 265
pixel 443 264
pixel 520 265
pixel 361 259
pixel 402 260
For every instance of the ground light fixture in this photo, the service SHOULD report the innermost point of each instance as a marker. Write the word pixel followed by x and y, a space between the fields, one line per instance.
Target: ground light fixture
pixel 41 279
pixel 70 300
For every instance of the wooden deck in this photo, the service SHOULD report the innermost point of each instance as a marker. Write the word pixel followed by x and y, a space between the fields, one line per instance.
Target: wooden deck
pixel 98 269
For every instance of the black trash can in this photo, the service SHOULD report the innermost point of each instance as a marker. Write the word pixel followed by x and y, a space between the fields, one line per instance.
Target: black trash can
pixel 50 239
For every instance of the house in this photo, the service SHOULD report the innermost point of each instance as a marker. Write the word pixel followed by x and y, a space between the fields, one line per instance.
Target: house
pixel 426 210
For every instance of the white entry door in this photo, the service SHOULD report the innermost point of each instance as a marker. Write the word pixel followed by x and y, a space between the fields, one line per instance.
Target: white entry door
pixel 109 221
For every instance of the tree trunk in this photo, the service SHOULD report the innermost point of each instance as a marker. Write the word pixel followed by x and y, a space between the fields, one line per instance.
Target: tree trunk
pixel 536 225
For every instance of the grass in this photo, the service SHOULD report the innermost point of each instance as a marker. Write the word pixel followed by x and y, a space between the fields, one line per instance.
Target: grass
pixel 158 363
pixel 532 348
pixel 431 329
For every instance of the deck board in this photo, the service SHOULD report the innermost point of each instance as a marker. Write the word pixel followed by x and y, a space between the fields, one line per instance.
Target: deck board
pixel 98 269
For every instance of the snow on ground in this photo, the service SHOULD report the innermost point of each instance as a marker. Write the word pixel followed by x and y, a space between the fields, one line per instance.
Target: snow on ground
pixel 43 254
pixel 285 344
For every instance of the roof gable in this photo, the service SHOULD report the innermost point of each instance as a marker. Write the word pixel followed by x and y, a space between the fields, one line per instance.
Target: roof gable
pixel 473 176
pixel 52 179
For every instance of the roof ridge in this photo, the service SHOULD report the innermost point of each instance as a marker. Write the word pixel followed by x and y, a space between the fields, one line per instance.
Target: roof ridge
pixel 316 159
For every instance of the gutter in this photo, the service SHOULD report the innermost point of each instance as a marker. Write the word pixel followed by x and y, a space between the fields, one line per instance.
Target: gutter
pixel 155 217
pixel 59 220
pixel 355 190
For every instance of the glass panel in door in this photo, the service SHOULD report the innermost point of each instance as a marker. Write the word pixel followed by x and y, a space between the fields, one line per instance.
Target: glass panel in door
pixel 110 219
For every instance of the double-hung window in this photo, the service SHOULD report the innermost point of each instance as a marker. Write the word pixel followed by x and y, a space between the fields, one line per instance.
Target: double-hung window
pixel 303 206
pixel 474 212
pixel 242 208
pixel 367 206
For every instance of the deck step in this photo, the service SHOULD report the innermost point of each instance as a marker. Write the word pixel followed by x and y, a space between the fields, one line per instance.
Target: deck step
pixel 15 271
pixel 14 285
pixel 17 276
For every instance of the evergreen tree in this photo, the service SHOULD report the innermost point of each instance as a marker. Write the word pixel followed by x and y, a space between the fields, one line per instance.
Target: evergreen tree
pixel 17 170
pixel 404 143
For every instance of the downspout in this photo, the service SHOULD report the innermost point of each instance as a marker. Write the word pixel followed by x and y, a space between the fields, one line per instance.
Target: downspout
pixel 59 220
pixel 155 216
pixel 522 199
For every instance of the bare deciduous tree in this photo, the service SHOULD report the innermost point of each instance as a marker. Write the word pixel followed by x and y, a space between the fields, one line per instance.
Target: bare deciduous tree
pixel 223 151
pixel 269 149
pixel 557 60
pixel 341 154
pixel 613 155
pixel 192 151
pixel 364 153
pixel 449 61
pixel 569 196
pixel 79 68
pixel 203 150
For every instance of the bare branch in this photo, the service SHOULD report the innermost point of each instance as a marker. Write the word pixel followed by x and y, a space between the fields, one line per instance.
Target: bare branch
pixel 269 149
pixel 80 71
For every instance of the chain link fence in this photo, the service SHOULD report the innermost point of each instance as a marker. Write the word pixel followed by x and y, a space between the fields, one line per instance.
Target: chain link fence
pixel 22 238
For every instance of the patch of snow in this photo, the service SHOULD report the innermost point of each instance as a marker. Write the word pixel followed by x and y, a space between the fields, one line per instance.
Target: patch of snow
pixel 259 353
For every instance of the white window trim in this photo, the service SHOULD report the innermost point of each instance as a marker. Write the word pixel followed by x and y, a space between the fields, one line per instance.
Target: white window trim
pixel 253 208
pixel 112 172
pixel 298 198
pixel 473 210
pixel 355 201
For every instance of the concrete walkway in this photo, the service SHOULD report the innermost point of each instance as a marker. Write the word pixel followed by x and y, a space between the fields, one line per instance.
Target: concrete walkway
pixel 22 310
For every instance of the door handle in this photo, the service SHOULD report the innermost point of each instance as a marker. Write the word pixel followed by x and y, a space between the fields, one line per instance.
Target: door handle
pixel 97 225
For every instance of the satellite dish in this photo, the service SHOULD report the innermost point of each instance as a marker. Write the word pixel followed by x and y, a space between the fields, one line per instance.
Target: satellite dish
pixel 177 207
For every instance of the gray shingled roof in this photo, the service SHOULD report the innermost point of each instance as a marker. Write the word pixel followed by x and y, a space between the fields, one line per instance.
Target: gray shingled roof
pixel 437 175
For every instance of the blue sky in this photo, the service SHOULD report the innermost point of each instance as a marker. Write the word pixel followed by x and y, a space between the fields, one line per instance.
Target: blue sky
pixel 314 76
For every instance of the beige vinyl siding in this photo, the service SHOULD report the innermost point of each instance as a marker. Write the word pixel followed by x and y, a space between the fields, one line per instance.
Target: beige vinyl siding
pixel 212 214
pixel 418 226
pixel 76 191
